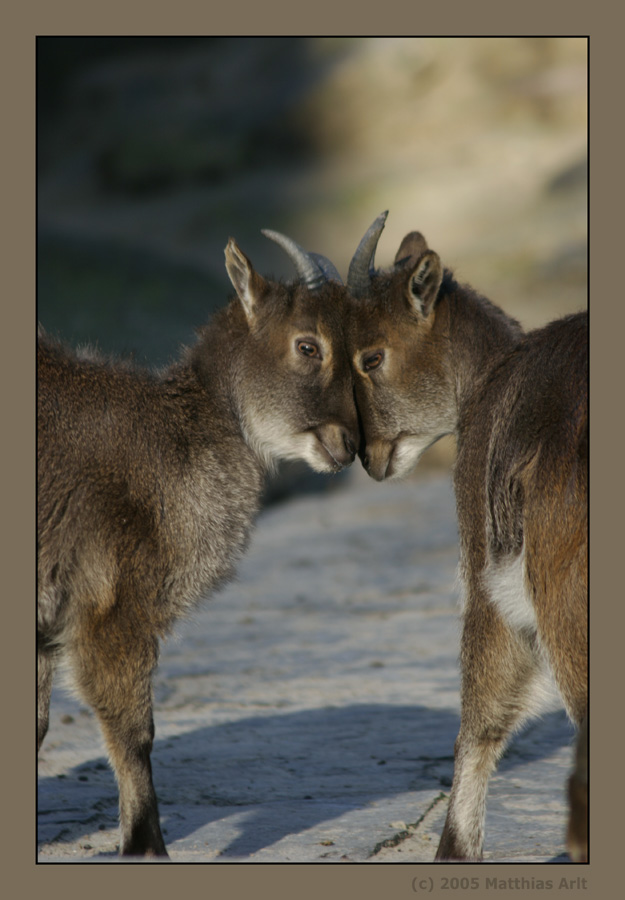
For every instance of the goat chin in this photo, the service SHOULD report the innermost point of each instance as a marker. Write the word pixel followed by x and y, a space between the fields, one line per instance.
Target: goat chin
pixel 394 460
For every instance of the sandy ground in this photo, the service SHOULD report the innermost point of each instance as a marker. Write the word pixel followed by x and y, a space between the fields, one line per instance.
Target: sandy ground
pixel 308 712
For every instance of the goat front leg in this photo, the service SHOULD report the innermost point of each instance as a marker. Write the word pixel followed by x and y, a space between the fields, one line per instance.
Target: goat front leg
pixel 46 659
pixel 113 663
pixel 498 671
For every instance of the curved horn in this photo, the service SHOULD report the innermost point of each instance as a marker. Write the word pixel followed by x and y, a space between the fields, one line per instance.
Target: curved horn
pixel 307 268
pixel 361 267
pixel 328 268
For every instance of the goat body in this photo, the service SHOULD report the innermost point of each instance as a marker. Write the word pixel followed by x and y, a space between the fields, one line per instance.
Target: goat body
pixel 148 487
pixel 432 357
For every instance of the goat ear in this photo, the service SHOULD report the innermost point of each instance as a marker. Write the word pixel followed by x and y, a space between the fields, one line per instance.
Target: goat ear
pixel 412 247
pixel 425 282
pixel 248 284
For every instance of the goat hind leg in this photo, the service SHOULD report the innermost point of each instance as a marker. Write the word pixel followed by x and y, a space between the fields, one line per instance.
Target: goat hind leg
pixel 498 672
pixel 563 630
pixel 114 673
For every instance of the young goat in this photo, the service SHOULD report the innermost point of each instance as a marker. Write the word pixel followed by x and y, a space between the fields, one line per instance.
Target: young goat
pixel 431 357
pixel 149 483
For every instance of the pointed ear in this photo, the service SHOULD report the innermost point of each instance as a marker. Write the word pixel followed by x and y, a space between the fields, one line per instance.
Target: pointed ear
pixel 425 282
pixel 413 246
pixel 248 284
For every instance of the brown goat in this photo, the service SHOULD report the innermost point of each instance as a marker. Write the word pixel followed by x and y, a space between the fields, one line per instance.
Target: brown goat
pixel 432 357
pixel 149 484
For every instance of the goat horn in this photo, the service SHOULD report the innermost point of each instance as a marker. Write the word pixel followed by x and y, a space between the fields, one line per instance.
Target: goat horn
pixel 328 268
pixel 361 267
pixel 307 268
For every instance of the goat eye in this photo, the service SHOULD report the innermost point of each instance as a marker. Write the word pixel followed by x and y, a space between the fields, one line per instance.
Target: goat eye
pixel 373 361
pixel 307 348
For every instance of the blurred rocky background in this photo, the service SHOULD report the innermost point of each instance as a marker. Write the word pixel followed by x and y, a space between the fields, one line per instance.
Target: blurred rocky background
pixel 153 151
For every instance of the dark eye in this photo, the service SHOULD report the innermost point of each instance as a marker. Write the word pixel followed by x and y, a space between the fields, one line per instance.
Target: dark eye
pixel 307 348
pixel 373 361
